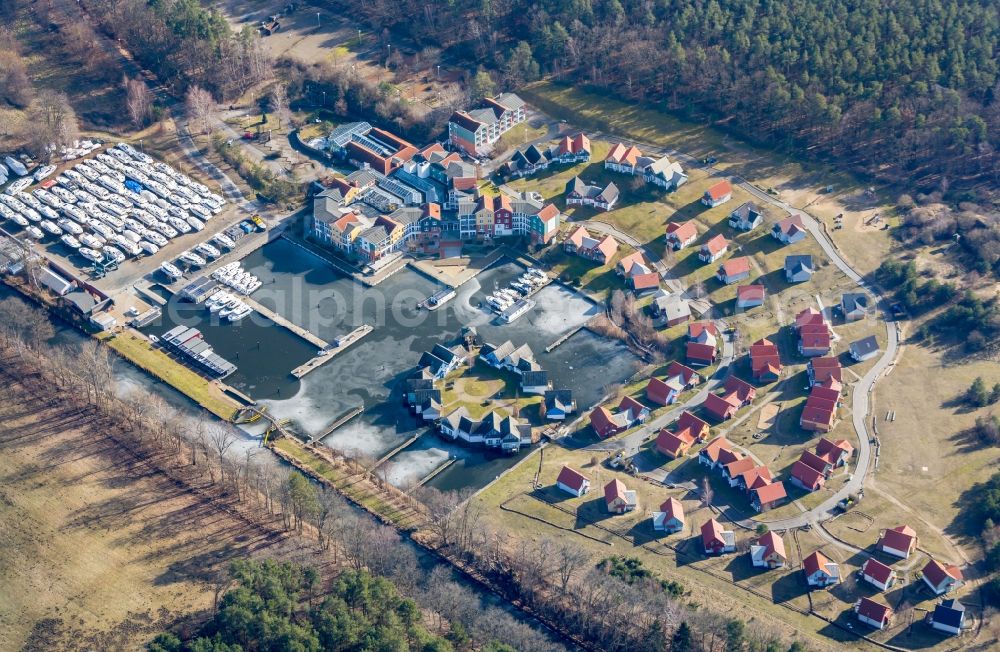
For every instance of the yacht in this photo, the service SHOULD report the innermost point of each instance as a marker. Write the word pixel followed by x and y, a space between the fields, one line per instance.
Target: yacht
pixel 223 240
pixel 239 313
pixel 195 223
pixel 165 230
pixel 50 227
pixel 70 241
pixel 69 226
pixel 114 253
pixel 19 220
pixel 179 224
pixel 207 250
pixel 192 259
pixel 90 254
pixel 171 271
pixel 34 232
pixel 30 213
pixel 43 172
pixel 29 199
pixel 15 166
pixel 132 235
pixel 152 236
pixel 230 306
pixel 101 229
pixel 48 212
pixel 17 186
pixel 148 247
pixel 254 286
pixel 91 241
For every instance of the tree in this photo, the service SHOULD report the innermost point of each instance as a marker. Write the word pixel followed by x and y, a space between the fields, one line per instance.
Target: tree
pixel 682 641
pixel 706 492
pixel 279 102
pixel 200 107
pixel 53 123
pixel 138 101
pixel 521 66
pixel 481 85
pixel 305 502
pixel 978 395
pixel 569 559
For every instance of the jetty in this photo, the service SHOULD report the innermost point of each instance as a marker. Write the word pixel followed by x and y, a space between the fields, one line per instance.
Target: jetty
pixel 281 321
pixel 341 420
pixel 437 299
pixel 327 352
pixel 397 449
pixel 565 337
pixel 433 474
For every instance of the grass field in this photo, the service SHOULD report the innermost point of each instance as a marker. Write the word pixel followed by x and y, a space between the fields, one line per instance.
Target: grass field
pixel 154 361
pixel 98 551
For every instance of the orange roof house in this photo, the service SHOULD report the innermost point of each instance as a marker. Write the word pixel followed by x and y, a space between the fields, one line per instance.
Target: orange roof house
pixel 681 234
pixel 734 270
pixel 719 193
pixel 765 362
pixel 714 249
pixel 674 445
pixel 694 426
pixel 718 453
pixel 768 496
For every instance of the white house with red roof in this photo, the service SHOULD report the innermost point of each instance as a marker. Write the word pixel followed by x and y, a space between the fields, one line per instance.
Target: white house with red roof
pixel 583 244
pixel 805 477
pixel 718 453
pixel 765 361
pixel 681 234
pixel 573 482
pixel 750 296
pixel 877 574
pixel 572 149
pixel 836 452
pixel 734 270
pixel 618 498
pixel 701 345
pixel 789 230
pixel 678 378
pixel 874 613
pixel 670 518
pixel 768 551
pixel 899 541
pixel 941 578
pixel 768 496
pixel 819 570
pixel 715 539
pixel 718 194
pixel 714 249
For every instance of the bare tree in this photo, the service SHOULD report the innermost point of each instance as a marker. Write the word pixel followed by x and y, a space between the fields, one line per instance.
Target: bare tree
pixel 138 101
pixel 569 559
pixel 53 123
pixel 200 107
pixel 440 507
pixel 279 103
pixel 706 492
pixel 221 438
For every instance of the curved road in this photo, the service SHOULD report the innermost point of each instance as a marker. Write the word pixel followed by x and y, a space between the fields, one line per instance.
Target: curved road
pixel 861 403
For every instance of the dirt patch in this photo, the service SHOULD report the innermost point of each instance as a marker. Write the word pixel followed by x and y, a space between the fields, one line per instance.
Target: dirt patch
pixel 765 419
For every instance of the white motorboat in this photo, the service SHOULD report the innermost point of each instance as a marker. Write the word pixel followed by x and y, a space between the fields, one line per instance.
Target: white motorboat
pixel 199 212
pixel 207 250
pixel 70 241
pixel 195 223
pixel 30 213
pixel 230 307
pixel 34 232
pixel 115 223
pixel 74 175
pixel 171 271
pixel 48 213
pixel 92 241
pixel 17 186
pixel 132 235
pixel 19 220
pixel 69 226
pixel 101 229
pixel 254 286
pixel 114 253
pixel 43 172
pixel 50 227
pixel 223 240
pixel 192 259
pixel 126 245
pixel 148 247
pixel 134 225
pixel 220 302
pixel 179 224
pixel 15 166
pixel 239 313
pixel 7 212
pixel 165 229
pixel 152 236
pixel 90 254
pixel 88 172
pixel 28 199
pixel 114 209
pixel 84 196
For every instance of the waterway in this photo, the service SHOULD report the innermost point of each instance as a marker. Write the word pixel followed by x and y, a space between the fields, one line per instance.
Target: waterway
pixel 306 291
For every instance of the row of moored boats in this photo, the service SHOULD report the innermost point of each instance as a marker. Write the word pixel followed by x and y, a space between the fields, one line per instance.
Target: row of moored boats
pixel 227 306
pixel 236 278
pixel 528 282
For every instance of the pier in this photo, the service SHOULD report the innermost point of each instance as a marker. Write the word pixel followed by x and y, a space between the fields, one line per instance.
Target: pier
pixel 329 352
pixel 281 321
pixel 149 295
pixel 341 420
pixel 397 449
pixel 565 337
pixel 430 476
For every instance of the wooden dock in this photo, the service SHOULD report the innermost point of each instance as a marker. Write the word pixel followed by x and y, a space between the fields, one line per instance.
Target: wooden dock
pixel 281 321
pixel 330 351
pixel 395 450
pixel 344 418
pixel 564 338
pixel 433 474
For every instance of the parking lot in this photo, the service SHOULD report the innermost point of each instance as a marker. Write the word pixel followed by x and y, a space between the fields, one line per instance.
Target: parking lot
pixel 117 215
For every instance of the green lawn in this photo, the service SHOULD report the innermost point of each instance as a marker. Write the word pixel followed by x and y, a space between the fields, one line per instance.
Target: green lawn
pixel 157 363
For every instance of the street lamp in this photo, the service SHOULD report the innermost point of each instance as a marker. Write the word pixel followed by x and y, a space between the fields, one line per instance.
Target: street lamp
pixel 438 75
pixel 317 19
pixel 324 98
pixel 359 37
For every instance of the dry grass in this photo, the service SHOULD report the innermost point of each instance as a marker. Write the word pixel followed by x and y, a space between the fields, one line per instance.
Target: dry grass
pixel 98 551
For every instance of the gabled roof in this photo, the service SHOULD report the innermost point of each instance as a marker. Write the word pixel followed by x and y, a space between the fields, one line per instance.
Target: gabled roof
pixel 832 450
pixel 807 475
pixel 615 490
pixel 631 405
pixel 876 570
pixel 936 572
pixel 799 263
pixel 773 544
pixel 711 533
pixel 561 399
pixel 817 561
pixel 624 155
pixel 673 509
pixel 852 301
pixel 658 391
pixel 719 406
pixel 571 478
pixel 809 316
pixel 745 210
pixel 735 266
pixel 574 145
pixel 578 236
pixel 608 246
pixel 739 467
pixel 717 244
pixel 714 448
pixel 789 225
pixel 671 443
pixel 950 612
pixel 698 329
pixel 865 345
pixel 744 390
pixel 770 493
pixel 900 537
pixel 682 231
pixel 750 293
pixel 634 263
pixel 682 371
pixel 873 610
pixel 813 461
pixel 700 352
pixel 691 423
pixel 719 190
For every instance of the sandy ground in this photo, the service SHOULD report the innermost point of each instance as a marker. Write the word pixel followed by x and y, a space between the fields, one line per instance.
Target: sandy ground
pixel 97 552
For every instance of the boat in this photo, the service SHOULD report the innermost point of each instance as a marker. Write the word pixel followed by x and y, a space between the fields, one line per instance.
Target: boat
pixel 30 213
pixel 171 271
pixel 114 253
pixel 179 224
pixel 254 286
pixel 15 166
pixel 132 235
pixel 165 230
pixel 148 247
pixel 19 220
pixel 91 241
pixel 223 240
pixel 240 313
pixel 69 226
pixel 219 302
pixel 48 212
pixel 230 306
pixel 43 172
pixel 34 232
pixel 90 254
pixel 208 250
pixel 88 172
pixel 102 230
pixel 50 227
pixel 126 245
pixel 195 223
pixel 29 199
pixel 154 237
pixel 192 259
pixel 70 241
pixel 17 186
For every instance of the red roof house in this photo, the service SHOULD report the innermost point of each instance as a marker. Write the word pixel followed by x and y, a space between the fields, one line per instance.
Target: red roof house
pixel 820 571
pixel 719 193
pixel 765 362
pixel 674 445
pixel 681 234
pixel 873 613
pixel 769 551
pixel 819 369
pixel 714 249
pixel 721 407
pixel 694 426
pixel 572 481
pixel 809 317
pixel 768 496
pixel 816 462
pixel 835 452
pixel 733 270
pixel 670 518
pixel 717 453
pixel 750 296
pixel 815 339
pixel 941 578
pixel 606 424
pixel 715 539
pixel 878 574
pixel 703 332
pixel 806 477
pixel 619 499
pixel 700 355
pixel 899 541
